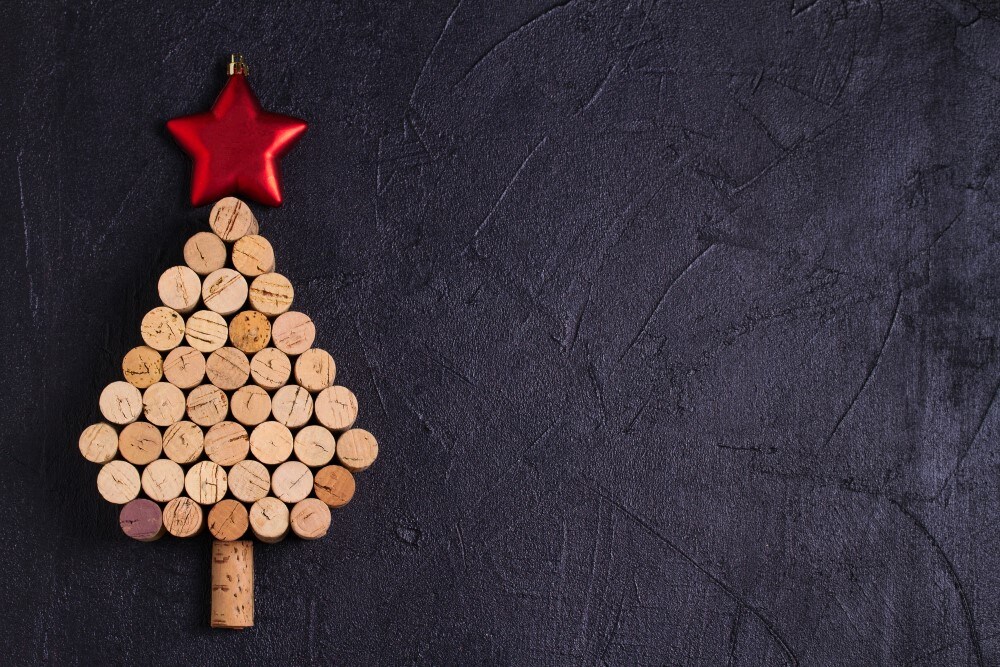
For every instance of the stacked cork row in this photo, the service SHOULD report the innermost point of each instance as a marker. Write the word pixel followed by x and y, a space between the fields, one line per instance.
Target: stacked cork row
pixel 227 416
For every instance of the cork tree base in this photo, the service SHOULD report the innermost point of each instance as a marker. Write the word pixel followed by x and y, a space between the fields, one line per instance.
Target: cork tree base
pixel 232 584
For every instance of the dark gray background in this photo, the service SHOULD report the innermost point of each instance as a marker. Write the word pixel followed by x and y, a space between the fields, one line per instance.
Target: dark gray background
pixel 676 322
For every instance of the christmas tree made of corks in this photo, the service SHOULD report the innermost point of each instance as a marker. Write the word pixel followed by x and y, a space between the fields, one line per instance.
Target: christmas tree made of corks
pixel 227 416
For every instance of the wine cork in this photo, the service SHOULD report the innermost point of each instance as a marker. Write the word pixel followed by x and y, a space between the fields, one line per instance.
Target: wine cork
pixel 142 366
pixel 292 406
pixel 179 288
pixel 121 403
pixel 142 520
pixel 269 519
pixel 183 442
pixel 334 485
pixel 310 519
pixel 253 255
pixel 162 328
pixel 99 442
pixel 357 449
pixel 315 369
pixel 270 368
pixel 293 332
pixel 231 219
pixel 249 481
pixel 224 291
pixel 315 446
pixel 140 443
pixel 250 405
pixel 271 294
pixel 207 405
pixel 292 481
pixel 205 252
pixel 227 368
pixel 228 520
pixel 183 517
pixel 336 408
pixel 184 367
pixel 205 483
pixel 163 404
pixel 271 443
pixel 118 482
pixel 232 584
pixel 250 331
pixel 227 443
pixel 163 480
pixel 206 331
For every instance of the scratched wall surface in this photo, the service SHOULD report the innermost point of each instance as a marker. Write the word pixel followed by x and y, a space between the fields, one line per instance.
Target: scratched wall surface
pixel 676 322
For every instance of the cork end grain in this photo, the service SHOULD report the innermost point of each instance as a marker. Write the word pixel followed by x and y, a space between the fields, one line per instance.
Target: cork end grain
pixel 184 367
pixel 140 443
pixel 270 368
pixel 315 446
pixel 179 288
pixel 224 291
pixel 250 405
pixel 183 517
pixel 163 480
pixel 336 408
pixel 357 449
pixel 292 406
pixel 250 331
pixel 293 332
pixel 142 520
pixel 334 485
pixel 249 481
pixel 118 482
pixel 228 520
pixel 121 403
pixel 310 519
pixel 231 219
pixel 205 252
pixel 142 366
pixel 228 368
pixel 206 331
pixel 162 329
pixel 99 443
pixel 271 294
pixel 253 255
pixel 269 519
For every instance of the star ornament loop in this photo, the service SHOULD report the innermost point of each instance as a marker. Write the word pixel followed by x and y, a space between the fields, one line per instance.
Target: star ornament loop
pixel 236 146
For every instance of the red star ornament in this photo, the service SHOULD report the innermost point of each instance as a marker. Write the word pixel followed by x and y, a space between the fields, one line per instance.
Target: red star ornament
pixel 236 146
